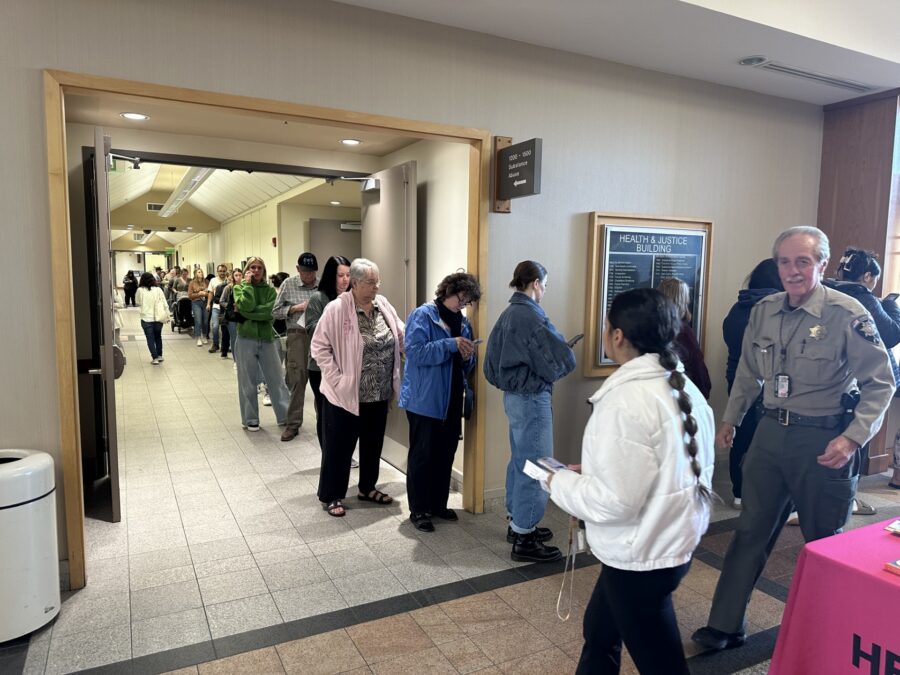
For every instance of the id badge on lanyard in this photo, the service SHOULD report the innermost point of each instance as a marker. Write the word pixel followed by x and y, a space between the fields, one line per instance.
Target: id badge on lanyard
pixel 782 385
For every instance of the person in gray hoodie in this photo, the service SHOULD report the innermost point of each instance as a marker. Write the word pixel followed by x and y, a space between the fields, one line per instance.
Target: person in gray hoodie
pixel 525 356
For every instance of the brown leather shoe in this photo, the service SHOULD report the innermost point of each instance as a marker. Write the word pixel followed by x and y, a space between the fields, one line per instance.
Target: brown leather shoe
pixel 289 434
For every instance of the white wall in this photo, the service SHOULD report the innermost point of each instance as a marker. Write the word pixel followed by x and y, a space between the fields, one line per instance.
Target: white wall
pixel 615 139
pixel 123 263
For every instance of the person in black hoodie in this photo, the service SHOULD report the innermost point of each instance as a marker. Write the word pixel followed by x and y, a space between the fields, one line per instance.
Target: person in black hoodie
pixel 858 274
pixel 763 281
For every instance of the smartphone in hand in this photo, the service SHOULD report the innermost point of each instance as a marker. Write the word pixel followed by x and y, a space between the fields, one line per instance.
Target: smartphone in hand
pixel 477 341
pixel 892 297
pixel 575 340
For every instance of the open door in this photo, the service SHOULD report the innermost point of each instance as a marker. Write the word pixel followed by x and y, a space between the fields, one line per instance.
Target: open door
pixel 389 240
pixel 100 456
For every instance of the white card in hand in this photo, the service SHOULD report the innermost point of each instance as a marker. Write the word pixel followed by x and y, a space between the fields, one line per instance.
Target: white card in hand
pixel 532 470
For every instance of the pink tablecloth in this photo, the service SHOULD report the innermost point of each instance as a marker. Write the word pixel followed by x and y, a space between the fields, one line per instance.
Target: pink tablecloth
pixel 843 611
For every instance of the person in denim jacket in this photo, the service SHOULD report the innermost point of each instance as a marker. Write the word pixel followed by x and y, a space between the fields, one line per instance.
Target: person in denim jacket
pixel 525 356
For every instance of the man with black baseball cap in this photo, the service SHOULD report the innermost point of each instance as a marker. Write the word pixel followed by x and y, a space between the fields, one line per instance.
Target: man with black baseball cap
pixel 290 306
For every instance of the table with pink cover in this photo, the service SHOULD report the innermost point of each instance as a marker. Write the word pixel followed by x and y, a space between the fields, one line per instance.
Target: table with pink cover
pixel 843 611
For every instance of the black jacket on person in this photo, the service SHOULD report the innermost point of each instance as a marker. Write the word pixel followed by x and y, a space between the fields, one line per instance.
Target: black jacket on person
pixel 735 324
pixel 885 312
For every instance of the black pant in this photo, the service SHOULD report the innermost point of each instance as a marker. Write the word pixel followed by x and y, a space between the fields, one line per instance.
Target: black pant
pixel 432 445
pixel 225 339
pixel 635 607
pixel 315 381
pixel 743 435
pixel 129 296
pixel 342 430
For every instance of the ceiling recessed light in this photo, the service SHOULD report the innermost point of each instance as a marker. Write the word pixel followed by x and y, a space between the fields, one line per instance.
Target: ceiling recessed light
pixel 335 203
pixel 350 141
pixel 134 116
pixel 753 61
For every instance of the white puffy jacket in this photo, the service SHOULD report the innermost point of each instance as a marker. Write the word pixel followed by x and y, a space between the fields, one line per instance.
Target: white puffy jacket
pixel 636 492
pixel 147 299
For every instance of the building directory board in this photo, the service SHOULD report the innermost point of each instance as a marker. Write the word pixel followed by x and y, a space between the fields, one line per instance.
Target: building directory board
pixel 631 252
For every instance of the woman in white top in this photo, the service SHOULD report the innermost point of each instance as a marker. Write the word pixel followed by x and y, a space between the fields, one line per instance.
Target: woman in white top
pixel 154 313
pixel 644 489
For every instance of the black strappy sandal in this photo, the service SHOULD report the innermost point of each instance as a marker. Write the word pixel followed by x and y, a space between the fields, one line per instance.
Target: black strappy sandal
pixel 332 508
pixel 377 497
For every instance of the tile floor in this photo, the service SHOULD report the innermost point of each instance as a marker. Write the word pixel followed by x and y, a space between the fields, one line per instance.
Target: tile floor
pixel 222 535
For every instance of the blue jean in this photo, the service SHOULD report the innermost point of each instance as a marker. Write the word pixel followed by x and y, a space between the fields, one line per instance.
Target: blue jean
pixel 198 307
pixel 255 358
pixel 153 331
pixel 530 437
pixel 214 326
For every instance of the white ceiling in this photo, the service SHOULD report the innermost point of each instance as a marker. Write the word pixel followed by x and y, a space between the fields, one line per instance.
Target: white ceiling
pixel 226 194
pixel 126 183
pixel 663 35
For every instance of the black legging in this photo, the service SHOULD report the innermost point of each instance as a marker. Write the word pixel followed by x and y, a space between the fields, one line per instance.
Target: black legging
pixel 129 296
pixel 634 607
pixel 315 380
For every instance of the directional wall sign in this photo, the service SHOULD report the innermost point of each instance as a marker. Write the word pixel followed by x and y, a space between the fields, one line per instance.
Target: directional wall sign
pixel 519 170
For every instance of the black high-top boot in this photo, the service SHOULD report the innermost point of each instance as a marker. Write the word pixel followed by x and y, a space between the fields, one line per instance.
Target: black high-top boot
pixel 528 548
pixel 542 534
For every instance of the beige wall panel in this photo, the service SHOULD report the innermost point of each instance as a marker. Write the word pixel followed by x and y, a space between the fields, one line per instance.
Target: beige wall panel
pixel 295 236
pixel 616 139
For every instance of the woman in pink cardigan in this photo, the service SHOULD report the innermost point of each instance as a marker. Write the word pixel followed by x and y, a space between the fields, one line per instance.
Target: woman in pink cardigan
pixel 357 346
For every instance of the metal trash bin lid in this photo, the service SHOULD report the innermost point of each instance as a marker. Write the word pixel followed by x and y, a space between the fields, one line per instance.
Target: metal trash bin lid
pixel 25 476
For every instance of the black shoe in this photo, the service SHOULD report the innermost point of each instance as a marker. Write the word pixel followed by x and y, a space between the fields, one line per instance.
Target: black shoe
pixel 712 639
pixel 542 534
pixel 529 549
pixel 446 514
pixel 421 522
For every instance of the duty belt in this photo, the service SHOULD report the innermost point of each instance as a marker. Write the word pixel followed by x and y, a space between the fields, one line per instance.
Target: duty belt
pixel 787 418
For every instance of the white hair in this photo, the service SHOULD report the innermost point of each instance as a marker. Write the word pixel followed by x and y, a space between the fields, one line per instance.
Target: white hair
pixel 360 268
pixel 823 248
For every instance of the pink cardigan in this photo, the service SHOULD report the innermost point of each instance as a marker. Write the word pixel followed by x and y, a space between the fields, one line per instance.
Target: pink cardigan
pixel 337 348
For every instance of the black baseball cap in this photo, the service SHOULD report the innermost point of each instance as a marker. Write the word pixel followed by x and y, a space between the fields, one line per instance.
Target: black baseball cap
pixel 307 262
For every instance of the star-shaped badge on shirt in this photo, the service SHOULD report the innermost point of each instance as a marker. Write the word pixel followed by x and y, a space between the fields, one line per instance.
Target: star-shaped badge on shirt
pixel 817 332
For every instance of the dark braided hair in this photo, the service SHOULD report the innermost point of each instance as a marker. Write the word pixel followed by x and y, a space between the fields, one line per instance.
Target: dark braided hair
pixel 650 322
pixel 856 262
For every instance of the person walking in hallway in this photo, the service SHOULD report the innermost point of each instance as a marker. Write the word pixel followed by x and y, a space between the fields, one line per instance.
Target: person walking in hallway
pixel 154 313
pixel 525 356
pixel 440 354
pixel 290 307
pixel 806 348
pixel 644 489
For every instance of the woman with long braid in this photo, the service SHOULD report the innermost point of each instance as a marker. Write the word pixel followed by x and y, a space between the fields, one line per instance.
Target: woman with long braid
pixel 644 488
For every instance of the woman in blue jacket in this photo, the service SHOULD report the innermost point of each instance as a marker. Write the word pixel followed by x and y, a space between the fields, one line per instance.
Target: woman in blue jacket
pixel 525 356
pixel 440 354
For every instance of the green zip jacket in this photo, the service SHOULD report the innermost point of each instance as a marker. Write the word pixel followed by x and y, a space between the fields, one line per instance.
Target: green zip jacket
pixel 255 303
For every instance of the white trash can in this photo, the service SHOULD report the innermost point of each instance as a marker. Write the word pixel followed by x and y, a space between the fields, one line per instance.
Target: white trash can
pixel 29 563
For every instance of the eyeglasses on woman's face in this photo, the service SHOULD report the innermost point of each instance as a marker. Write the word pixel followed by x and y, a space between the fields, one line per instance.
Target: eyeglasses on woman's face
pixel 371 283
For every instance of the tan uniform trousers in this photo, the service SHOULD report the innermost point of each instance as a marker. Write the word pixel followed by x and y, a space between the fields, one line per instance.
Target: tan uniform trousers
pixel 296 374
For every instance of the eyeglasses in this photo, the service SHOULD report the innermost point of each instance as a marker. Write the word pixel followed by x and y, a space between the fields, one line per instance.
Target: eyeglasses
pixel 463 302
pixel 371 283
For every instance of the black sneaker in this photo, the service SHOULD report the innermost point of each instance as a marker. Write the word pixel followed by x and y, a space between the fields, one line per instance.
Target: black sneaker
pixel 446 514
pixel 421 522
pixel 542 534
pixel 529 549
pixel 712 639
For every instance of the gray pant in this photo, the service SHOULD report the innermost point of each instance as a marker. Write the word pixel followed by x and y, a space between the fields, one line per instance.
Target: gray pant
pixel 296 375
pixel 779 469
pixel 255 358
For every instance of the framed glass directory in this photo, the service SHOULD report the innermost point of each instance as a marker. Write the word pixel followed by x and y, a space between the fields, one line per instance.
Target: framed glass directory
pixel 626 252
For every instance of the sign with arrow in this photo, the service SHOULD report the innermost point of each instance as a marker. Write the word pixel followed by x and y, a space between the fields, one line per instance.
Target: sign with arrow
pixel 519 170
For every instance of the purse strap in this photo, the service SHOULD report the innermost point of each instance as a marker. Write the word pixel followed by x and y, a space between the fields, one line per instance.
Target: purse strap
pixel 568 571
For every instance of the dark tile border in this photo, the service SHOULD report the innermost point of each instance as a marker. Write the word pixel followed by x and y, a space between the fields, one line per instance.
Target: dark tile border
pixel 260 638
pixel 13 654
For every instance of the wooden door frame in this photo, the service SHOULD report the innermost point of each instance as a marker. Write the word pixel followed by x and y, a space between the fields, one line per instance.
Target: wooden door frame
pixel 56 84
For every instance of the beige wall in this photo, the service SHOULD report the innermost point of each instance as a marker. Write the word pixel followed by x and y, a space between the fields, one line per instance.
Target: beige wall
pixel 326 238
pixel 442 177
pixel 135 213
pixel 615 139
pixel 294 232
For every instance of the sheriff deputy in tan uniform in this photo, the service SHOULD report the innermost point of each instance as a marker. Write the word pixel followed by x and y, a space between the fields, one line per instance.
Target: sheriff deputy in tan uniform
pixel 806 348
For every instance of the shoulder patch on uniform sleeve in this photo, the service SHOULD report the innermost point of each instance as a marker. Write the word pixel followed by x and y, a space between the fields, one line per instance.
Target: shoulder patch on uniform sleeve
pixel 864 326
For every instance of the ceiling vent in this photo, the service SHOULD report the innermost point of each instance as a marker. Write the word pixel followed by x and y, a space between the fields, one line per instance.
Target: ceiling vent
pixel 154 207
pixel 763 63
pixel 352 227
pixel 142 238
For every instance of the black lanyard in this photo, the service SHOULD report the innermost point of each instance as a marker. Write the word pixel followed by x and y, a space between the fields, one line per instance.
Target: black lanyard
pixel 785 345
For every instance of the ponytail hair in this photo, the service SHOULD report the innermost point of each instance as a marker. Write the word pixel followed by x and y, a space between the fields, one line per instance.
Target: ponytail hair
pixel 650 322
pixel 856 262
pixel 526 273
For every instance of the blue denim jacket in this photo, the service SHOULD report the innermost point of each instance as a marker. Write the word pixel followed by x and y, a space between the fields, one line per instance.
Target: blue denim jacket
pixel 525 352
pixel 429 360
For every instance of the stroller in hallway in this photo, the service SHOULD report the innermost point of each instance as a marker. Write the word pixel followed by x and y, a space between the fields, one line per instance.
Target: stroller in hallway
pixel 182 315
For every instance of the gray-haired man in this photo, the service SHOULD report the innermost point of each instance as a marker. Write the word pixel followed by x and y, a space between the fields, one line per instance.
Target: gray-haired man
pixel 806 348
